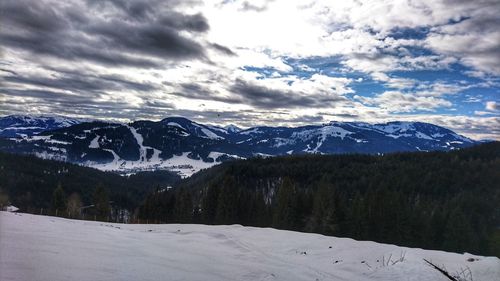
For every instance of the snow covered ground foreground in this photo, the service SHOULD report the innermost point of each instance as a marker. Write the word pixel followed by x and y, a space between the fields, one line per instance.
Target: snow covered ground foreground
pixel 48 248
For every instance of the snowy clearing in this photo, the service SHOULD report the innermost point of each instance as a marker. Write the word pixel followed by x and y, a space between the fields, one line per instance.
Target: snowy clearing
pixel 48 248
pixel 181 164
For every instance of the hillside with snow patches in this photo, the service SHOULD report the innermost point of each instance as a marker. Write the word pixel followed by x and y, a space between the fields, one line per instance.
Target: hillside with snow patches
pixel 184 146
pixel 52 249
pixel 20 125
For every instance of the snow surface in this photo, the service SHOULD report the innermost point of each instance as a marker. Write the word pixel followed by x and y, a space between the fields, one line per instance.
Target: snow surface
pixel 51 156
pixel 181 164
pixel 52 249
pixel 94 143
pixel 462 138
pixel 216 128
pixel 323 133
pixel 232 128
pixel 47 139
pixel 211 135
pixel 175 125
pixel 251 131
pixel 207 133
pixel 140 140
pixel 11 208
pixel 214 155
pixel 59 121
pixel 395 127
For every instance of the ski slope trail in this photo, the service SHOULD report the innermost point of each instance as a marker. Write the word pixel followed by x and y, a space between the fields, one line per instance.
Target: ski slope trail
pixel 52 249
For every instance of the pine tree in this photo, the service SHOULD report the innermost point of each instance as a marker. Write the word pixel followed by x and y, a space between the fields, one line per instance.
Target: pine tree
pixel 324 218
pixel 227 202
pixel 356 221
pixel 101 203
pixel 285 213
pixel 262 216
pixel 58 200
pixel 184 206
pixel 209 204
pixel 459 234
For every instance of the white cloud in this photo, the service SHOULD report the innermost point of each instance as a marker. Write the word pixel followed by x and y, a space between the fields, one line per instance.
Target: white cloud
pixel 394 82
pixel 359 34
pixel 491 106
pixel 395 101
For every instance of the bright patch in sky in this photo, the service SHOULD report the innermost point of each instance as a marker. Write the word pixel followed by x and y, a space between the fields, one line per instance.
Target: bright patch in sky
pixel 281 62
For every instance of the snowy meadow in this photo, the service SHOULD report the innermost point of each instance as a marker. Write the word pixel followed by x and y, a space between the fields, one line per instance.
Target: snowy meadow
pixel 53 249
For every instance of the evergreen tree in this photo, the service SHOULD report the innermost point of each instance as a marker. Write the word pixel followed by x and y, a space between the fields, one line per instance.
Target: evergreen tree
pixel 101 203
pixel 227 202
pixel 285 213
pixel 356 221
pixel 58 200
pixel 183 206
pixel 209 204
pixel 262 215
pixel 324 218
pixel 459 236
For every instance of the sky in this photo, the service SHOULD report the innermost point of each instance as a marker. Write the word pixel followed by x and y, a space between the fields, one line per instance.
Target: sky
pixel 249 63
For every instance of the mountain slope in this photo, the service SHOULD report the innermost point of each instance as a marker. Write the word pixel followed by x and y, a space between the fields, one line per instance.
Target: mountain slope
pixel 181 145
pixel 19 125
pixel 32 245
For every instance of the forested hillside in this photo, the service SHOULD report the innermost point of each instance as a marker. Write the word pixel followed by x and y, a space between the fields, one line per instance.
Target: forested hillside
pixel 33 184
pixel 435 200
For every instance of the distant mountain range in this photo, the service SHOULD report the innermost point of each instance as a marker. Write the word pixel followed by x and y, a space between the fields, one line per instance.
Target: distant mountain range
pixel 19 125
pixel 179 144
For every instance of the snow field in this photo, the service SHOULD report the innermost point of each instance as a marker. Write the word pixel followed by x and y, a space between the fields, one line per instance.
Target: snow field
pixel 48 248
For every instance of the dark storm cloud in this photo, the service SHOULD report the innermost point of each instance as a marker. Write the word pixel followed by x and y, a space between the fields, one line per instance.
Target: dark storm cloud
pixel 67 42
pixel 70 104
pixel 306 119
pixel 8 71
pixel 143 34
pixel 138 9
pixel 31 16
pixel 72 50
pixel 197 91
pixel 244 92
pixel 76 81
pixel 196 23
pixel 223 49
pixel 51 97
pixel 134 9
pixel 266 98
pixel 149 39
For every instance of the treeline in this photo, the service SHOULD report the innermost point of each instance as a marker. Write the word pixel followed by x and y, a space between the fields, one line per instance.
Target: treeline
pixel 29 183
pixel 447 201
pixel 71 206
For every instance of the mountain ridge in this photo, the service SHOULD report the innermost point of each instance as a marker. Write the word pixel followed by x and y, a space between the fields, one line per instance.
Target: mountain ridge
pixel 185 146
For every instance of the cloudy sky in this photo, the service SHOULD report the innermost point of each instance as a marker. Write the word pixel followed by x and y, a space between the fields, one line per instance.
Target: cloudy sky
pixel 281 62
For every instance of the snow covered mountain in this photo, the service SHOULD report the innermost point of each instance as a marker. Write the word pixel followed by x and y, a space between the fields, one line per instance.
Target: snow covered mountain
pixel 19 125
pixel 179 144
pixel 33 245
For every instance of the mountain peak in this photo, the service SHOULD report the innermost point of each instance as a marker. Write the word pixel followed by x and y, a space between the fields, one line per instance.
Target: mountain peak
pixel 232 128
pixel 27 125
